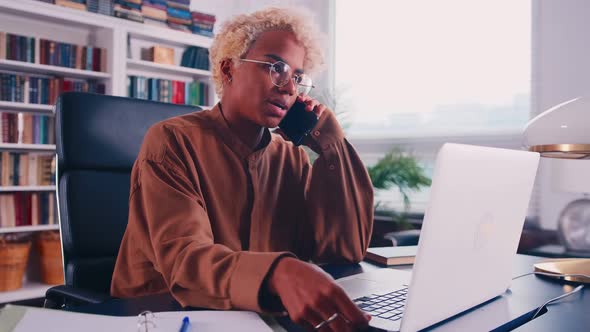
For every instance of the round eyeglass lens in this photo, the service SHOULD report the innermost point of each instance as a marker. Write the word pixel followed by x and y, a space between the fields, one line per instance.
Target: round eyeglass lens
pixel 280 73
pixel 304 84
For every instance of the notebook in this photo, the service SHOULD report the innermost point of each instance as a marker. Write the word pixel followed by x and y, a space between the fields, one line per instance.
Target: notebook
pixel 392 255
pixel 22 319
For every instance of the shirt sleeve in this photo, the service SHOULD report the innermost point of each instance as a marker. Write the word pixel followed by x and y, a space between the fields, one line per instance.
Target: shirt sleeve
pixel 197 271
pixel 338 197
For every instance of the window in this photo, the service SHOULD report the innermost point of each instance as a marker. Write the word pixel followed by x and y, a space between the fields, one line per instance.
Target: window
pixel 415 74
pixel 415 68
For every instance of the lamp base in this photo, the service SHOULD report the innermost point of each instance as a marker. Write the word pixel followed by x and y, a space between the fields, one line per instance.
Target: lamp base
pixel 566 266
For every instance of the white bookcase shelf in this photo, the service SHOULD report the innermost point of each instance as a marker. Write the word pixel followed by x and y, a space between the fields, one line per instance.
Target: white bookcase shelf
pixel 50 13
pixel 47 69
pixel 10 189
pixel 36 228
pixel 168 36
pixel 26 107
pixel 135 66
pixel 30 290
pixel 26 147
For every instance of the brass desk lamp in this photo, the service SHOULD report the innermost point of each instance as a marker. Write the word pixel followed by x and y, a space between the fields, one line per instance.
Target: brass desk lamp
pixel 564 132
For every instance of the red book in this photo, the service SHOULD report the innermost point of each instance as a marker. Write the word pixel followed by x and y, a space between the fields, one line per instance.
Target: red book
pixel 43 52
pixel 25 207
pixel 174 92
pixel 67 86
pixel 18 209
pixel 28 207
pixel 5 125
pixel 96 59
pixel 180 93
pixel 83 58
pixel 12 128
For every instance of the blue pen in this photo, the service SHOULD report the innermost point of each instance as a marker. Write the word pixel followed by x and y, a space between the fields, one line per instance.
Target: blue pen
pixel 186 325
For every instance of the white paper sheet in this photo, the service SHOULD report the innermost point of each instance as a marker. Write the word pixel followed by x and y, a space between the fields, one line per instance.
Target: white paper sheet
pixel 36 319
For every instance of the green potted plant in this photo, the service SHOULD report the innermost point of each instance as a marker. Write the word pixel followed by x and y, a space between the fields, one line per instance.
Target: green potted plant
pixel 401 170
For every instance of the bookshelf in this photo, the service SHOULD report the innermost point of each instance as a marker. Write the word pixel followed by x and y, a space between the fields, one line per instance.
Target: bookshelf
pixel 47 69
pixel 36 228
pixel 12 189
pixel 8 106
pixel 123 40
pixel 168 36
pixel 26 147
pixel 142 66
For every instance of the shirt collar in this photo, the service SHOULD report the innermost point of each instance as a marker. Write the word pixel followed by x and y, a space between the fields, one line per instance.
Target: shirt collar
pixel 233 141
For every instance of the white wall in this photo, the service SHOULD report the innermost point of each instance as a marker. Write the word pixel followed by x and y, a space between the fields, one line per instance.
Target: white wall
pixel 561 71
pixel 225 9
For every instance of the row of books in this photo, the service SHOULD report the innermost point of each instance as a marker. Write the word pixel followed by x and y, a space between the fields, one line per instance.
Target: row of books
pixel 53 53
pixel 27 209
pixel 177 92
pixel 26 128
pixel 16 47
pixel 104 7
pixel 27 169
pixel 195 57
pixel 175 14
pixel 37 89
pixel 203 24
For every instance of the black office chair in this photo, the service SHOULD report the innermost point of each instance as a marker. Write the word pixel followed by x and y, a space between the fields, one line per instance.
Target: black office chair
pixel 98 139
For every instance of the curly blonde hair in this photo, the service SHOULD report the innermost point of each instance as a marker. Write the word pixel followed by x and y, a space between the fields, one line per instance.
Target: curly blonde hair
pixel 237 35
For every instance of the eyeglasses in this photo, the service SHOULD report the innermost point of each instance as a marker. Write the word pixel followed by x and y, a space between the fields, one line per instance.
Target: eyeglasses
pixel 281 73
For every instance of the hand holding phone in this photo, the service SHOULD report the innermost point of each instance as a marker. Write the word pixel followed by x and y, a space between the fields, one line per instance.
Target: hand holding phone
pixel 298 122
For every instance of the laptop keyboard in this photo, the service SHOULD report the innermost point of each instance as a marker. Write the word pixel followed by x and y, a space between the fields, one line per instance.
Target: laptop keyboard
pixel 387 306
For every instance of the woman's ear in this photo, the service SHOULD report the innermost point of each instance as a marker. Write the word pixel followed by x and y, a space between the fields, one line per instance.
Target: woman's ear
pixel 227 68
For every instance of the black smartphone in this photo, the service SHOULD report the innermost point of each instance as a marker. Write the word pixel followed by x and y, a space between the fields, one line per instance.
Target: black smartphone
pixel 298 122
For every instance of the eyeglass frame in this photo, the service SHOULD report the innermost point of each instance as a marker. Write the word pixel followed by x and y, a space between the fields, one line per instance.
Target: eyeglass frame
pixel 270 71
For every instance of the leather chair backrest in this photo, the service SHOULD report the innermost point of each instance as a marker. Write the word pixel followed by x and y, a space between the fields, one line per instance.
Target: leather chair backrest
pixel 98 138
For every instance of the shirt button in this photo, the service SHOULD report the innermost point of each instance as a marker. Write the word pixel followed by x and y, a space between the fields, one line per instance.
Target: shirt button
pixel 331 167
pixel 316 133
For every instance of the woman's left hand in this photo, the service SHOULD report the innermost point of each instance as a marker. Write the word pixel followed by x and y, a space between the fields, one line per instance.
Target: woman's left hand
pixel 312 105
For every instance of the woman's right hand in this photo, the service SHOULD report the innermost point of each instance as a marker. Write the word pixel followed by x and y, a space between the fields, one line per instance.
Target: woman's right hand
pixel 311 297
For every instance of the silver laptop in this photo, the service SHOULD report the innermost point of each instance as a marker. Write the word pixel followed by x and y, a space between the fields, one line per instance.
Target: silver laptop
pixel 471 229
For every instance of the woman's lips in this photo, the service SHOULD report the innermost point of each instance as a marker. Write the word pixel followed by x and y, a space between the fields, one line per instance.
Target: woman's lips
pixel 276 110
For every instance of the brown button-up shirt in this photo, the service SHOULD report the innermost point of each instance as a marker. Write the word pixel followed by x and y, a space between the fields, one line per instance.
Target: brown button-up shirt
pixel 208 216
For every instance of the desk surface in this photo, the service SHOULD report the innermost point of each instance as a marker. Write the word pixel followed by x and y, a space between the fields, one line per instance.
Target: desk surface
pixel 504 313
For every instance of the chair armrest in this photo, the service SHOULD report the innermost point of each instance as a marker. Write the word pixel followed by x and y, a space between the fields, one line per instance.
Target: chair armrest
pixel 404 238
pixel 61 296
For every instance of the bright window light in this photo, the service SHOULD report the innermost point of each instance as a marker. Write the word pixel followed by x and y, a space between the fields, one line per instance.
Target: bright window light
pixel 430 68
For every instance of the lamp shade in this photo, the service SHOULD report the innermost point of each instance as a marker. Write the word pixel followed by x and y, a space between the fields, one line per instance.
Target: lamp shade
pixel 563 131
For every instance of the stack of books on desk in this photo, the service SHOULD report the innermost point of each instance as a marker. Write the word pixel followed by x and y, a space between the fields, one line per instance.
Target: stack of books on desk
pixel 390 256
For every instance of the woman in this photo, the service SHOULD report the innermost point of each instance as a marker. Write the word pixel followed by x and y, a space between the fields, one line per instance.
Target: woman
pixel 223 214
